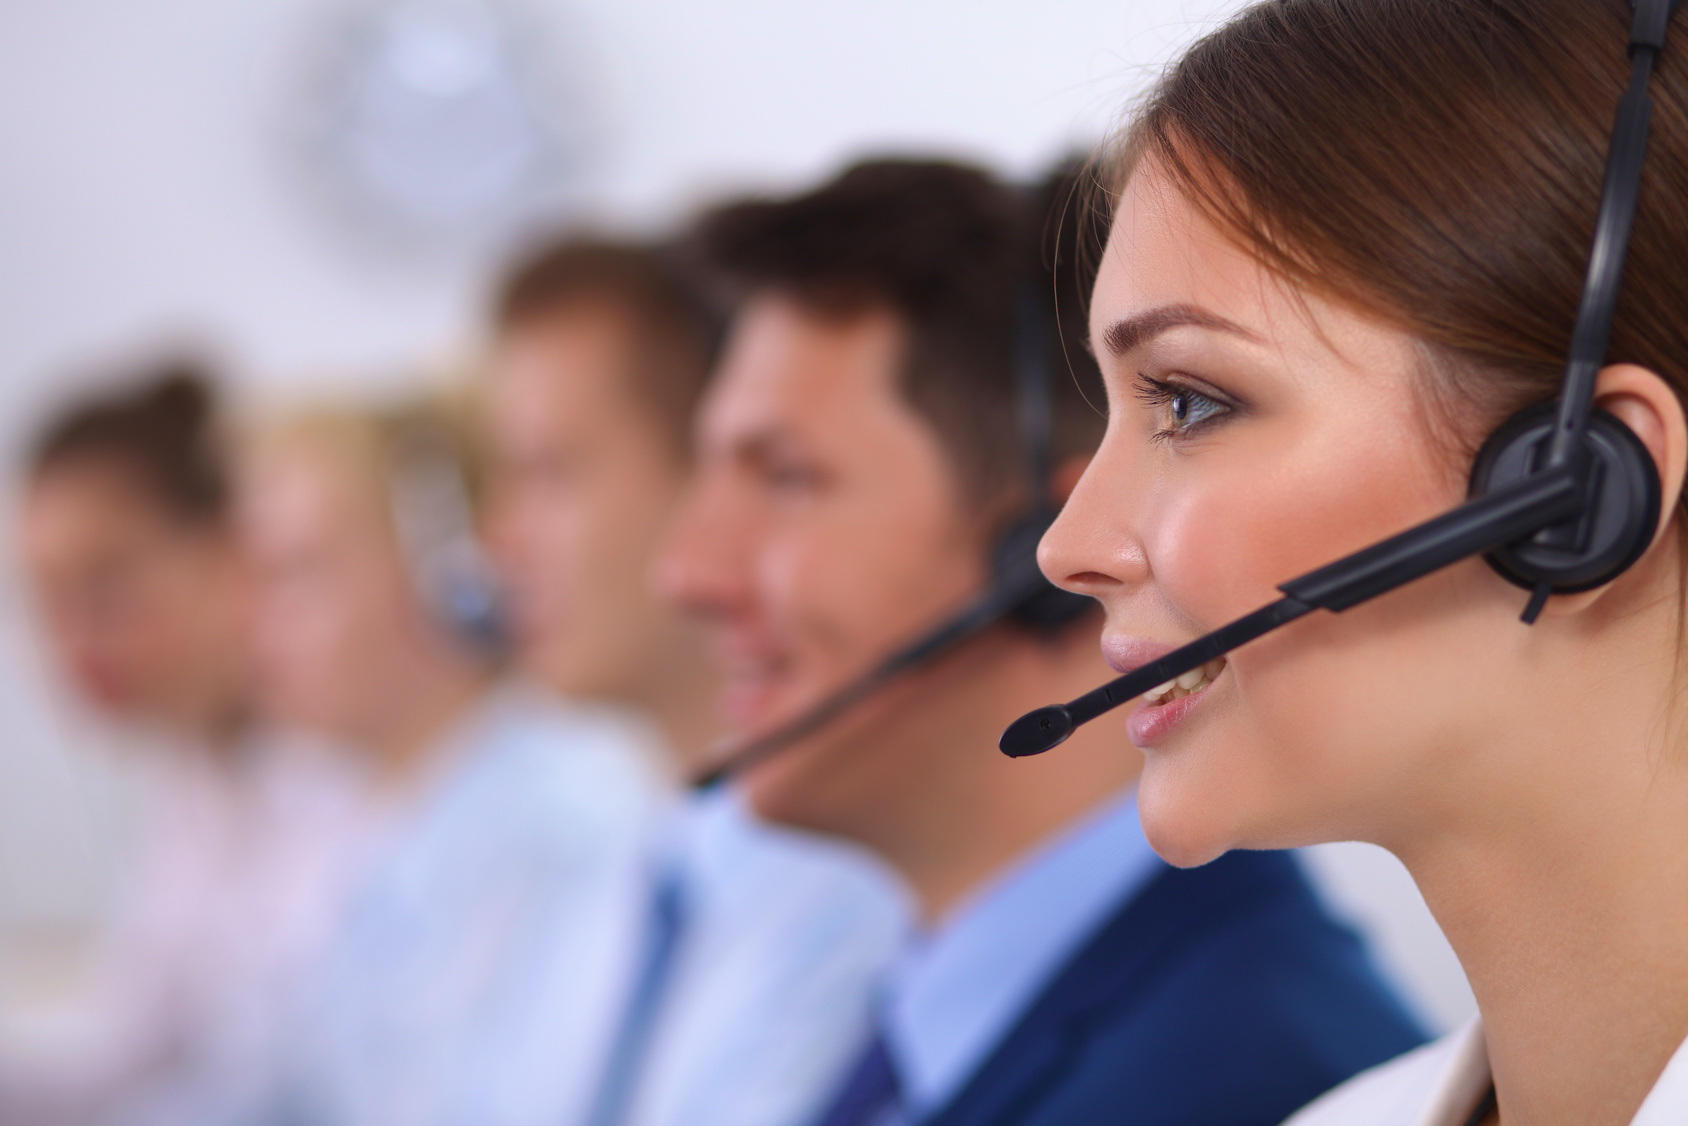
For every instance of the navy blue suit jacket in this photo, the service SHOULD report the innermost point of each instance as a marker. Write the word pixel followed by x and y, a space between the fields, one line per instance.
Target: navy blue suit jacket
pixel 1218 996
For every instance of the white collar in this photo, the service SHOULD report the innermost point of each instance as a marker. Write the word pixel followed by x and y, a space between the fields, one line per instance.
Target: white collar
pixel 1466 1076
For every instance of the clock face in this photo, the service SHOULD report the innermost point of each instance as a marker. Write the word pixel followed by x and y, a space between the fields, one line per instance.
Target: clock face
pixel 445 122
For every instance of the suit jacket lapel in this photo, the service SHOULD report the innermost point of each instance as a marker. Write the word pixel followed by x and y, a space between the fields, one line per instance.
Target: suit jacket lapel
pixel 1124 958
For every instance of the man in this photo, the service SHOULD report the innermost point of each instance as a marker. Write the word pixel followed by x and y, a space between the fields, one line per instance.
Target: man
pixel 744 998
pixel 858 453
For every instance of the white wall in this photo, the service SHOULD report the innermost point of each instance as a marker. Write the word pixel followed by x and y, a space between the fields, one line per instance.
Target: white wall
pixel 148 193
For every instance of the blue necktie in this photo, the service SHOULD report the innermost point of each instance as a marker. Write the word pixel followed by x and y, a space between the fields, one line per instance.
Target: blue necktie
pixel 663 927
pixel 871 1092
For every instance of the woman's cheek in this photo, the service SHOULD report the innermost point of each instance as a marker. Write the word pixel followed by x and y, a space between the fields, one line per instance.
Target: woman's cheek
pixel 1218 553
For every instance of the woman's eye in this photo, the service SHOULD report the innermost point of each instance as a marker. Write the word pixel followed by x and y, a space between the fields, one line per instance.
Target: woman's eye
pixel 1190 407
pixel 1181 408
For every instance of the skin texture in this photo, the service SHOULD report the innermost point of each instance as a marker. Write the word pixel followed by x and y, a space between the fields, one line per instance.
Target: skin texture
pixel 144 611
pixel 342 645
pixel 584 483
pixel 825 528
pixel 1532 779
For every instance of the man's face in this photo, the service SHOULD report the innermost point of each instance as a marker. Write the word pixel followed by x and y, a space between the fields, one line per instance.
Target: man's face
pixel 824 529
pixel 584 483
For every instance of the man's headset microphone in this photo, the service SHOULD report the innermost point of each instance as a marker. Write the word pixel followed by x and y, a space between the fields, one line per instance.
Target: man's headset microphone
pixel 1563 497
pixel 433 511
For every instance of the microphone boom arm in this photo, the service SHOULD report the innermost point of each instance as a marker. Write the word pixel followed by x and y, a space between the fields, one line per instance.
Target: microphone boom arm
pixel 983 613
pixel 1480 525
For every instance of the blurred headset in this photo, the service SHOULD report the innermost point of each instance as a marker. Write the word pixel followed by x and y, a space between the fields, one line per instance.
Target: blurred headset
pixel 1018 591
pixel 1563 497
pixel 433 514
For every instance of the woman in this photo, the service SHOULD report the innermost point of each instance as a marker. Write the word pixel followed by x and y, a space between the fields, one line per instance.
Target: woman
pixel 513 826
pixel 1348 240
pixel 144 590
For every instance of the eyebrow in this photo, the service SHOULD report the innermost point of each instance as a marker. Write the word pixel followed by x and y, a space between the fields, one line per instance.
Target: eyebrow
pixel 1132 332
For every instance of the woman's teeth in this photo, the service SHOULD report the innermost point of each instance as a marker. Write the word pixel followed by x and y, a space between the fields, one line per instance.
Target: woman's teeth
pixel 1187 684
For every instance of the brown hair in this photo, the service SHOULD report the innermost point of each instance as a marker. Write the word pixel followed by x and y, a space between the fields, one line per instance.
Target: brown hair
pixel 948 249
pixel 676 332
pixel 1436 164
pixel 159 431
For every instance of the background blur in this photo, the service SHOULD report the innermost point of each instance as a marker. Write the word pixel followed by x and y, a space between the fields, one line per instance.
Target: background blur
pixel 315 192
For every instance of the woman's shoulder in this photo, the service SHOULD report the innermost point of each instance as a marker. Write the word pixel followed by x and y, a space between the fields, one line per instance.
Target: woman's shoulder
pixel 1421 1088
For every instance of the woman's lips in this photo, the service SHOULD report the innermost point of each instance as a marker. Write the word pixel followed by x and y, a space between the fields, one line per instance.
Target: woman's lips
pixel 1150 722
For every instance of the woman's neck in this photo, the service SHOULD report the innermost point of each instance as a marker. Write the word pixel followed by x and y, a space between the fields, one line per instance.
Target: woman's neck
pixel 1561 880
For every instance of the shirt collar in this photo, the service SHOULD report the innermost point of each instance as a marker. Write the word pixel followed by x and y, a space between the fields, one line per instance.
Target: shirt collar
pixel 1668 1101
pixel 960 989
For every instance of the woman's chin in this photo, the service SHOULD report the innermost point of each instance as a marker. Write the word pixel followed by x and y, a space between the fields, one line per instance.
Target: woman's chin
pixel 1182 835
pixel 1188 822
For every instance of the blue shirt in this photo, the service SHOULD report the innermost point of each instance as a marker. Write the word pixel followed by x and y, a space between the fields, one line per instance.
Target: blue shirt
pixel 959 990
pixel 493 923
pixel 787 936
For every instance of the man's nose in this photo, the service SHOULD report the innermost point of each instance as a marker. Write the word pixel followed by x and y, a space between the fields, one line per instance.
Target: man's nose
pixel 699 567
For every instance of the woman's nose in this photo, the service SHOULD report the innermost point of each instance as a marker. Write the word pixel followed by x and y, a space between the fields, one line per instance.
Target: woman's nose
pixel 1093 547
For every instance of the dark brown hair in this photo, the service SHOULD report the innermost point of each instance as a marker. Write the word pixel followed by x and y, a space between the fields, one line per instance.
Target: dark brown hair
pixel 160 431
pixel 950 250
pixel 1437 164
pixel 675 331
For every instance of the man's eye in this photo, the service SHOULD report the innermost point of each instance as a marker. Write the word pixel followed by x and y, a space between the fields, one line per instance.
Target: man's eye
pixel 791 476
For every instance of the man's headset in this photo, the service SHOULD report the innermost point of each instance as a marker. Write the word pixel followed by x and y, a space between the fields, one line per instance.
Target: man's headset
pixel 434 516
pixel 1563 497
pixel 1018 591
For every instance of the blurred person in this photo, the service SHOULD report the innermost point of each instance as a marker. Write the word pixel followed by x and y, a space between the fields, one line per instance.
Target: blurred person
pixel 749 985
pixel 247 834
pixel 860 450
pixel 510 823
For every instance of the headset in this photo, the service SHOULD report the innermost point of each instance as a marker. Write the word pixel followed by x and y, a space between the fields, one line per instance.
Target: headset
pixel 433 514
pixel 1563 497
pixel 1018 590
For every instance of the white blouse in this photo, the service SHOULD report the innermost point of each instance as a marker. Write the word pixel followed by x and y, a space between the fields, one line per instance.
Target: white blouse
pixel 1441 1084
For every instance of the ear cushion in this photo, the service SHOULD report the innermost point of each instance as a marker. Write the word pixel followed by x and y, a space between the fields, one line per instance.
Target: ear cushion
pixel 1035 601
pixel 1616 524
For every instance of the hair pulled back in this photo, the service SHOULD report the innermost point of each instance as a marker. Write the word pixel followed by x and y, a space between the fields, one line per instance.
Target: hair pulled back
pixel 1436 164
pixel 160 431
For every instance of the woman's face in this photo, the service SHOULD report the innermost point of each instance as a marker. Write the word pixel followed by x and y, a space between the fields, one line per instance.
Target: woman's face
pixel 1256 432
pixel 337 630
pixel 143 609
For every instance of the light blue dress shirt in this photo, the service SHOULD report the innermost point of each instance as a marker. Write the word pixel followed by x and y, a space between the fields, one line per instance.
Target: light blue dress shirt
pixel 959 990
pixel 495 922
pixel 787 937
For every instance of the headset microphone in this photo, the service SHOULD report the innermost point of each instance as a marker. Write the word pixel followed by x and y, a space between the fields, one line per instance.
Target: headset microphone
pixel 1018 592
pixel 1563 497
pixel 433 515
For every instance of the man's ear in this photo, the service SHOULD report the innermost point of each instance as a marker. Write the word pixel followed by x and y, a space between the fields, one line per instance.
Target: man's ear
pixel 1065 478
pixel 1643 401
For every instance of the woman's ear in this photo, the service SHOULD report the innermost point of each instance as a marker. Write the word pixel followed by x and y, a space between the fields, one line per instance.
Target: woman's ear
pixel 1644 402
